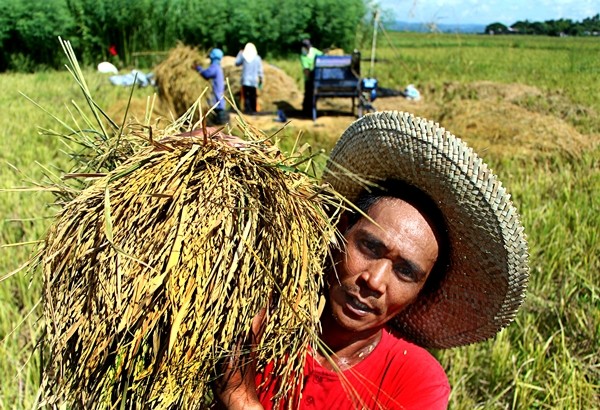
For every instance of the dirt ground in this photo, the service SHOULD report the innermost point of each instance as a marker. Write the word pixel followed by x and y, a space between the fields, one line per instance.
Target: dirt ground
pixel 494 119
pixel 333 115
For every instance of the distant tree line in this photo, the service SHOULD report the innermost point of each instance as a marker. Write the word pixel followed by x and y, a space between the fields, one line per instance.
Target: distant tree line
pixel 98 29
pixel 588 27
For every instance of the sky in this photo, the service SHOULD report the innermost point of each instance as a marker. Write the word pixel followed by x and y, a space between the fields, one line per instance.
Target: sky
pixel 490 11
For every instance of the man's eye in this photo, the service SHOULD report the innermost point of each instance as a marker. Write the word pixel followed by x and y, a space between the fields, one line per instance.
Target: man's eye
pixel 370 247
pixel 406 272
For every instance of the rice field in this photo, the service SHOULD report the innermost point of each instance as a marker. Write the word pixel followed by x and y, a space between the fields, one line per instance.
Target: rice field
pixel 549 159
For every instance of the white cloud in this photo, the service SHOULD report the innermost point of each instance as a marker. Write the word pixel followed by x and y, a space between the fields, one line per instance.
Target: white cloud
pixel 485 12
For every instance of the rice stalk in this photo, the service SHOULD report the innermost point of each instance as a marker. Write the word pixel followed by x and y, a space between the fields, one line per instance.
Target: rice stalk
pixel 154 270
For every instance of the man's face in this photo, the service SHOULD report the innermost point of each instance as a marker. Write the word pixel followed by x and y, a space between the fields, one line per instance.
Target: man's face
pixel 384 266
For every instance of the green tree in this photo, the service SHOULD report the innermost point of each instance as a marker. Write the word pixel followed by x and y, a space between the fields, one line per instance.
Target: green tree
pixel 337 24
pixel 28 28
pixel 28 33
pixel 252 22
pixel 539 28
pixel 129 25
pixel 522 27
pixel 592 24
pixel 291 20
pixel 496 28
pixel 557 27
pixel 200 23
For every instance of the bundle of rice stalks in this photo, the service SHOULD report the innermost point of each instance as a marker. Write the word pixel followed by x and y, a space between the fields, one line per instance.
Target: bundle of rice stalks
pixel 178 83
pixel 155 271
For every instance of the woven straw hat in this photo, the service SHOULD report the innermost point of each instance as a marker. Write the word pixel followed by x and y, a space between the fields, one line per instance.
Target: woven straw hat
pixel 488 262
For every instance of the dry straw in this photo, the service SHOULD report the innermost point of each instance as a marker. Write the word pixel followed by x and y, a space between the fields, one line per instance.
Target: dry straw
pixel 178 83
pixel 155 270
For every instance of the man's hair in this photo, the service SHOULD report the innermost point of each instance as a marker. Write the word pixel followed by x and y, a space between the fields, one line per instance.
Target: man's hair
pixel 428 208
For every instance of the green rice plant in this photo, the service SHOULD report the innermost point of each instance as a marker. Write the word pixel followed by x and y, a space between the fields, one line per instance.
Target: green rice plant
pixel 565 65
pixel 546 358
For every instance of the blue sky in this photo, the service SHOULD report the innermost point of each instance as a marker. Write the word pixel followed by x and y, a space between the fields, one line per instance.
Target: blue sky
pixel 486 12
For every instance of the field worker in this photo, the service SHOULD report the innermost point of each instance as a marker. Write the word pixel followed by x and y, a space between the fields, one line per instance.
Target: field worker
pixel 435 258
pixel 307 59
pixel 252 76
pixel 214 72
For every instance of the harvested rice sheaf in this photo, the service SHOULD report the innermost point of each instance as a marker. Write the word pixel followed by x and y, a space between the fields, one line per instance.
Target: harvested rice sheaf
pixel 179 85
pixel 153 274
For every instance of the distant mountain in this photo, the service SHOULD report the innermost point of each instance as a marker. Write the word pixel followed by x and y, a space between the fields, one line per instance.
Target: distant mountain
pixel 433 27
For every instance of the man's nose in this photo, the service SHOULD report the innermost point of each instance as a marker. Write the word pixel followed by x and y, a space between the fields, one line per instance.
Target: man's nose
pixel 375 274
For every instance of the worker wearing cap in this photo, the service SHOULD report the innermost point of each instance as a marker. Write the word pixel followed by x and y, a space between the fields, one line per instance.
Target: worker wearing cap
pixel 307 59
pixel 214 72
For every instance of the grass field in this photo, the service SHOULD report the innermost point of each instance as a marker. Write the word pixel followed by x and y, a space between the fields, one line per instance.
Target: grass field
pixel 548 358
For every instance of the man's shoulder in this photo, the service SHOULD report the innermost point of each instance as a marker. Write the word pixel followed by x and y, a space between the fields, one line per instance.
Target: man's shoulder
pixel 407 354
pixel 413 374
pixel 316 52
pixel 408 375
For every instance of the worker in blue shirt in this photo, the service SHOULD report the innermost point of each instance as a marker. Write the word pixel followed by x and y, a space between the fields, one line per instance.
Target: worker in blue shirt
pixel 214 72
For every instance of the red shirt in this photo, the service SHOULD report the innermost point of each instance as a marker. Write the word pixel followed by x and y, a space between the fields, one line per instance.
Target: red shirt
pixel 396 375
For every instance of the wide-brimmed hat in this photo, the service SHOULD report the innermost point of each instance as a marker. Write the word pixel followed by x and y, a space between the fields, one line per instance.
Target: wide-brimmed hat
pixel 488 269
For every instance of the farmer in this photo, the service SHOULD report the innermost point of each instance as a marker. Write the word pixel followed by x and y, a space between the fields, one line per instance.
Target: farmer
pixel 307 59
pixel 252 76
pixel 214 72
pixel 434 257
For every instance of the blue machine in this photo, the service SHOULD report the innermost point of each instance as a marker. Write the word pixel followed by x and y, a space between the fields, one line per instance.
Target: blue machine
pixel 339 77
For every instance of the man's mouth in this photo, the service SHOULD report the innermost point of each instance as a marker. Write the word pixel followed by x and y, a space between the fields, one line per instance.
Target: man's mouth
pixel 357 306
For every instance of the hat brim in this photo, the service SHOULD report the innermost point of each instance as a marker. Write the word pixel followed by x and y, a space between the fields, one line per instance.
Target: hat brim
pixel 488 270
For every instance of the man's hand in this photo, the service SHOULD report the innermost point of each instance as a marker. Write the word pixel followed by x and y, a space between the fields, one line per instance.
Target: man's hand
pixel 236 389
pixel 206 133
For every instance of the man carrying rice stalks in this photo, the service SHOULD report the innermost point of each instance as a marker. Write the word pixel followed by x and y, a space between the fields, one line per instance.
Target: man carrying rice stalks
pixel 163 255
pixel 434 256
